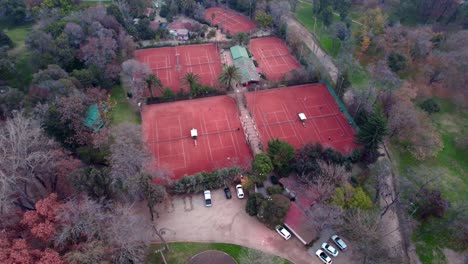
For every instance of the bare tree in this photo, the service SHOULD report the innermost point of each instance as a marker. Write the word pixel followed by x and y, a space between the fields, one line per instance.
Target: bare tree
pixel 362 226
pixel 128 159
pixel 28 167
pixel 331 175
pixel 81 220
pixel 128 235
pixel 321 216
pixel 134 75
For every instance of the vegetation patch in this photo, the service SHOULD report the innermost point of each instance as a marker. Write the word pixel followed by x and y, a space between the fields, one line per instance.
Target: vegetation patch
pixel 122 110
pixel 181 252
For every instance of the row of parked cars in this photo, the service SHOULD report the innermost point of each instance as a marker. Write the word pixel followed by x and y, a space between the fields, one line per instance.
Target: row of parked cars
pixel 321 253
pixel 227 193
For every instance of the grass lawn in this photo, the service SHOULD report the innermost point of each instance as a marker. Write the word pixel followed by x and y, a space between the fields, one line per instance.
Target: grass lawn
pixel 122 111
pixel 17 33
pixel 451 165
pixel 304 13
pixel 181 252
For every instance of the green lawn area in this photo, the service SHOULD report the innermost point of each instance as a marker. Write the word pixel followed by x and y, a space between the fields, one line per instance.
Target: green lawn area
pixel 17 33
pixel 451 165
pixel 304 13
pixel 122 110
pixel 180 252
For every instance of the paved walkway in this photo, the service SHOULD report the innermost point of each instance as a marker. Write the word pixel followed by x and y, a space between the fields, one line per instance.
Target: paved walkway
pixel 248 123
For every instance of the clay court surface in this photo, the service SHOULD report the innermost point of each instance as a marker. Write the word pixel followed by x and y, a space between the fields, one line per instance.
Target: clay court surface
pixel 171 64
pixel 273 57
pixel 276 115
pixel 221 142
pixel 229 20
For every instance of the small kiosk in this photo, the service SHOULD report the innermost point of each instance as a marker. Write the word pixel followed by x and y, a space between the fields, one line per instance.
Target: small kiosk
pixel 194 135
pixel 303 118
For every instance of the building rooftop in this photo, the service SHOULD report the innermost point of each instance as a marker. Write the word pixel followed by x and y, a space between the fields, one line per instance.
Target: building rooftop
pixel 247 70
pixel 238 52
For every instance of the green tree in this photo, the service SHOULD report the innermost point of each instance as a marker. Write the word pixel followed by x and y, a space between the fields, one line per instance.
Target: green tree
pixel 372 132
pixel 430 106
pixel 348 197
pixel 273 211
pixel 5 40
pixel 113 10
pixel 253 203
pixel 281 155
pixel 241 38
pixel 262 166
pixel 152 192
pixel 396 61
pixel 13 9
pixel 263 19
pixel 327 16
pixel 191 79
pixel 168 94
pixel 213 15
pixel 229 76
pixel 361 200
pixel 153 81
pixel 96 182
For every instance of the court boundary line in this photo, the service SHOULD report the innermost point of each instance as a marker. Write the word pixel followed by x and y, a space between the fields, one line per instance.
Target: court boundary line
pixel 285 110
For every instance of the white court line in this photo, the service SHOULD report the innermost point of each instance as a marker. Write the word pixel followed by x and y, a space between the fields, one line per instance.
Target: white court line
pixel 181 142
pixel 207 138
pixel 155 126
pixel 285 110
pixel 317 132
pixel 265 123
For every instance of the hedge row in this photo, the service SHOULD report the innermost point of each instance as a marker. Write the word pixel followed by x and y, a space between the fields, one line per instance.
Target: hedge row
pixel 205 180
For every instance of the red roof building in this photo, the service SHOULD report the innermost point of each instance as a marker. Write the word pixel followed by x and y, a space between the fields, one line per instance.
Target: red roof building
pixel 296 220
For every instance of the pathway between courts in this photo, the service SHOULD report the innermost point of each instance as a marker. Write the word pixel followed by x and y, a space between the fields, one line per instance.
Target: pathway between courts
pixel 248 123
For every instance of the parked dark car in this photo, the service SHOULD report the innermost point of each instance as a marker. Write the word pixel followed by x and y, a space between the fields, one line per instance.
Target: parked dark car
pixel 227 192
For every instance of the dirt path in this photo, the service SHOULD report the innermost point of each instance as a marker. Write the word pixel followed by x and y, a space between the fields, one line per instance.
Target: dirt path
pixel 309 40
pixel 393 236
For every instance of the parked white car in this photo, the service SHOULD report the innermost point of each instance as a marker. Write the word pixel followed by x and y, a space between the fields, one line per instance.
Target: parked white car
pixel 240 191
pixel 323 257
pixel 339 243
pixel 329 249
pixel 283 232
pixel 207 195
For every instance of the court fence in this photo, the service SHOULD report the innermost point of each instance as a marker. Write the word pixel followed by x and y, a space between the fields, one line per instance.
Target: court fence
pixel 341 106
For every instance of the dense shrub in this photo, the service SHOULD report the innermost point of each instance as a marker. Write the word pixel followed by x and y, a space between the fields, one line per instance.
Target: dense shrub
pixel 430 106
pixel 396 61
pixel 275 190
pixel 253 203
pixel 274 180
pixel 261 166
pixel 349 197
pixel 282 155
pixel 273 211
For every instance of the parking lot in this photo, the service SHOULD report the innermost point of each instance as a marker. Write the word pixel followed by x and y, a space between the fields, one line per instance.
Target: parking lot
pixel 187 219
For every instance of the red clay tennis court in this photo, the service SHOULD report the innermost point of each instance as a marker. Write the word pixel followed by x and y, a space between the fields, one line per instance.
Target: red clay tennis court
pixel 273 57
pixel 276 114
pixel 229 20
pixel 171 64
pixel 221 142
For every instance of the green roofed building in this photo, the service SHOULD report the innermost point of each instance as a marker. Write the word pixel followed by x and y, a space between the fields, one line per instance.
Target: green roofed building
pixel 239 52
pixel 246 67
pixel 93 118
pixel 247 71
